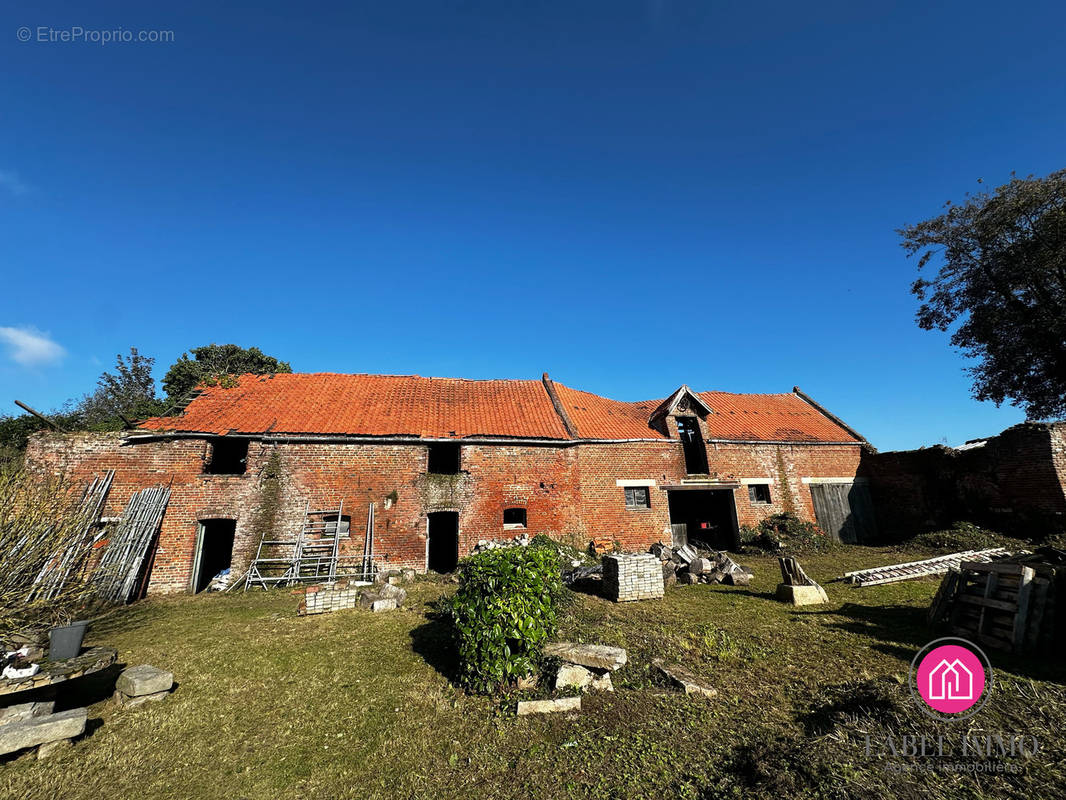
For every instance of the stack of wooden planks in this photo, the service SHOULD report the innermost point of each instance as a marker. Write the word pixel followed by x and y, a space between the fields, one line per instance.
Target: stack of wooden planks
pixel 921 569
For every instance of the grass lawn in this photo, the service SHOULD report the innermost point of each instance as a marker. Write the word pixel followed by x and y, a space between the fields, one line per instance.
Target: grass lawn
pixel 354 704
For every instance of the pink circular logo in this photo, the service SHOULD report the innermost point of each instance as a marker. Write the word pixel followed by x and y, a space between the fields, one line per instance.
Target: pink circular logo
pixel 950 679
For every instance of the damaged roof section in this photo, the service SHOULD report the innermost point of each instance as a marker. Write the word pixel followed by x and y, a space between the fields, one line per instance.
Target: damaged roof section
pixel 328 404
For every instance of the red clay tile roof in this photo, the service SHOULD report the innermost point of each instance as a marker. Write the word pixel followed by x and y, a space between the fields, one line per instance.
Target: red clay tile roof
pixel 409 405
pixel 742 417
pixel 371 405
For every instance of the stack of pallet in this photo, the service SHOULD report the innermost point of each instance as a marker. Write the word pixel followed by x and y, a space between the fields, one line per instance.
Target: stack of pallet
pixel 1007 605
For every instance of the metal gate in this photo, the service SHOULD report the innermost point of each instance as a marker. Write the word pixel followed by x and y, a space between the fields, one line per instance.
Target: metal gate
pixel 844 511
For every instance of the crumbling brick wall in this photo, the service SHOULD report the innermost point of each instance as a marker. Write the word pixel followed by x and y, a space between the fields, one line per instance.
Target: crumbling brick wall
pixel 1014 483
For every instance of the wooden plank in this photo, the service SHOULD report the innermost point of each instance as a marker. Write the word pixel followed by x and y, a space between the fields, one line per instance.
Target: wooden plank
pixel 1025 591
pixel 988 602
pixel 998 567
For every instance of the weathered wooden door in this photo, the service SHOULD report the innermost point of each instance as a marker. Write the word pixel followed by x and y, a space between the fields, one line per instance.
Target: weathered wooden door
pixel 844 511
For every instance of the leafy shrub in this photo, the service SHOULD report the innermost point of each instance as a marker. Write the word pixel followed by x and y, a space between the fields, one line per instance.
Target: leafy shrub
pixel 786 532
pixel 503 613
pixel 961 536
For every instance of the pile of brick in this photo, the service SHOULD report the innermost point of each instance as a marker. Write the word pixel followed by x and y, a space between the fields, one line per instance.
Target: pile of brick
pixel 687 565
pixel 386 595
pixel 632 576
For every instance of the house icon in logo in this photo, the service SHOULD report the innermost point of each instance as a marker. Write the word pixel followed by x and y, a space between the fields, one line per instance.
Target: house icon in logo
pixel 950 680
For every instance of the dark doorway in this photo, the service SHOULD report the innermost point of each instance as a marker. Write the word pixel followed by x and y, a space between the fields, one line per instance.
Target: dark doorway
pixel 442 549
pixel 688 428
pixel 214 550
pixel 709 516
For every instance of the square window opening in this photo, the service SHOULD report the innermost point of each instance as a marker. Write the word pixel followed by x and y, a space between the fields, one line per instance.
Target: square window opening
pixel 637 498
pixel 443 458
pixel 514 518
pixel 228 457
pixel 759 493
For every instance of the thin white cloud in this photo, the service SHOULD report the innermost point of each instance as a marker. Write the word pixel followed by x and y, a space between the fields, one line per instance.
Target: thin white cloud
pixel 13 183
pixel 30 347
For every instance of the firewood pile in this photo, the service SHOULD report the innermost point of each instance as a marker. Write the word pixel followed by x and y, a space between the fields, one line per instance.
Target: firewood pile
pixel 689 565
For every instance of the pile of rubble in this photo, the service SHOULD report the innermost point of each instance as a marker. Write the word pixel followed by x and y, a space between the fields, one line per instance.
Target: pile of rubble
pixel 384 594
pixel 689 565
pixel 521 540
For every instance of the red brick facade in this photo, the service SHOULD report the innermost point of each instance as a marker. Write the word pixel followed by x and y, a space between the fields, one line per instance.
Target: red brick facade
pixel 569 489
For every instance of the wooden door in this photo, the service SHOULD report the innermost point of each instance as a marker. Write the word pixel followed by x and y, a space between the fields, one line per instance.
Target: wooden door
pixel 844 511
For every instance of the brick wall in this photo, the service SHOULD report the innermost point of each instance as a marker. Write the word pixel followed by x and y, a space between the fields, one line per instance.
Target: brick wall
pixel 1015 483
pixel 568 491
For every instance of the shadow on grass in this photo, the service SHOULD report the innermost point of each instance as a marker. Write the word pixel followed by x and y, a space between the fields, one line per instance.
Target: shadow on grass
pixel 433 642
pixel 125 619
pixel 887 624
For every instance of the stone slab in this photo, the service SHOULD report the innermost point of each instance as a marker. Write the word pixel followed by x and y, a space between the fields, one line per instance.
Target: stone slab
pixel 386 604
pixel 812 595
pixel 596 656
pixel 549 706
pixel 572 676
pixel 144 679
pixel 126 701
pixel 40 730
pixel 24 711
pixel 602 683
pixel 684 680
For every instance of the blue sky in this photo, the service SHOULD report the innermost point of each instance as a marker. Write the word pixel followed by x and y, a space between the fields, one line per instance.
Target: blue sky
pixel 630 196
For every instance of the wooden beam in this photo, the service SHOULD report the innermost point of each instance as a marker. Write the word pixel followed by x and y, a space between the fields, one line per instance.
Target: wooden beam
pixel 39 415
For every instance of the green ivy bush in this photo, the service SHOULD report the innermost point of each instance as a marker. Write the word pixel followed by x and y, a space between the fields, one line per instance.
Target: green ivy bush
pixel 505 610
pixel 786 532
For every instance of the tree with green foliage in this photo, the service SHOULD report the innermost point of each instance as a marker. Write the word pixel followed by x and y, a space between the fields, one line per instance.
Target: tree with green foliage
pixel 127 392
pixel 215 363
pixel 503 613
pixel 1001 289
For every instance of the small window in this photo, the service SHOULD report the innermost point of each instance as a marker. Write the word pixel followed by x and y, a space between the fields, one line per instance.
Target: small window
pixel 443 458
pixel 514 518
pixel 759 493
pixel 228 457
pixel 637 497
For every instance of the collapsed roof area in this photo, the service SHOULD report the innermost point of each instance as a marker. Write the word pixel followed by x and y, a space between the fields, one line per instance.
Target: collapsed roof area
pixel 453 408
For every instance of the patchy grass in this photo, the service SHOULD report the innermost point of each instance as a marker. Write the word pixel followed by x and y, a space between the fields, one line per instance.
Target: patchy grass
pixel 353 704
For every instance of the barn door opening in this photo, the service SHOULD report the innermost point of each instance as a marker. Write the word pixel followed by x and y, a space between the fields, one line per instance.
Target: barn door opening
pixel 706 517
pixel 844 511
pixel 442 547
pixel 214 551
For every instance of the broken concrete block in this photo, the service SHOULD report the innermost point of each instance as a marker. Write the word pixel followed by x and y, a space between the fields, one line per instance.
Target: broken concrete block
pixel 602 683
pixel 39 730
pixel 386 604
pixel 596 656
pixel 392 591
pixel 809 595
pixel 549 706
pixel 683 679
pixel 407 575
pixel 737 579
pixel 687 578
pixel 144 679
pixel 573 676
pixel 700 566
pixel 49 749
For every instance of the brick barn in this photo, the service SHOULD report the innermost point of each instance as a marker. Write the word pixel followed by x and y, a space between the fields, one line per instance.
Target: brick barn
pixel 448 462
